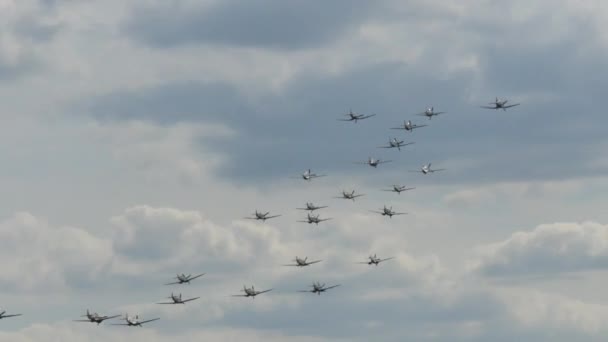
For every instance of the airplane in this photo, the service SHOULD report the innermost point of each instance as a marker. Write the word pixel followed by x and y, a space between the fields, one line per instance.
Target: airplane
pixel 261 216
pixel 94 318
pixel 134 321
pixel 398 189
pixel 500 104
pixel 430 112
pixel 426 169
pixel 356 117
pixel 350 195
pixel 373 162
pixel 308 175
pixel 392 143
pixel 318 288
pixel 387 212
pixel 185 279
pixel 311 207
pixel 3 312
pixel 303 262
pixel 374 260
pixel 177 299
pixel 409 126
pixel 250 292
pixel 314 219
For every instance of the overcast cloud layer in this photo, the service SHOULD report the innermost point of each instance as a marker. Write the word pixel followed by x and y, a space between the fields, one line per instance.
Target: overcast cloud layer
pixel 136 137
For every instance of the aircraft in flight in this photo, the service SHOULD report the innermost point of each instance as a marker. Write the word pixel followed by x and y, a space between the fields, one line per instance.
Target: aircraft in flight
pixel 409 126
pixel 261 216
pixel 177 299
pixel 310 218
pixel 94 318
pixel 387 212
pixel 308 175
pixel 185 279
pixel 350 195
pixel 373 162
pixel 426 169
pixel 394 143
pixel 430 112
pixel 374 260
pixel 318 288
pixel 4 315
pixel 398 189
pixel 134 321
pixel 311 207
pixel 302 262
pixel 356 117
pixel 500 104
pixel 250 292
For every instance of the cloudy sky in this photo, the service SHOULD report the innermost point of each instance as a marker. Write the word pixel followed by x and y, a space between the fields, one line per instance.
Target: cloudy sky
pixel 137 135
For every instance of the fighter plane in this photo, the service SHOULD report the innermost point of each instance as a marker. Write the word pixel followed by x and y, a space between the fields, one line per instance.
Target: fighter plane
pixel 398 189
pixel 134 321
pixel 94 318
pixel 318 288
pixel 387 212
pixel 373 162
pixel 430 112
pixel 185 279
pixel 392 143
pixel 311 207
pixel 426 169
pixel 374 260
pixel 3 314
pixel 500 104
pixel 409 126
pixel 308 175
pixel 349 195
pixel 356 117
pixel 310 218
pixel 250 292
pixel 261 216
pixel 302 262
pixel 177 299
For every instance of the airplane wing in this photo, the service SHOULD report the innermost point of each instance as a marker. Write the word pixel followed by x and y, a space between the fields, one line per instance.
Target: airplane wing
pixel 14 315
pixel 398 214
pixel 377 212
pixel 358 195
pixel 119 323
pixel 509 106
pixel 423 114
pixel 415 171
pixel 397 127
pixel 388 146
pixel 417 126
pixel 149 320
pixel 190 299
pixel 168 303
pixel 435 170
pixel 384 161
pixel 260 292
pixel 437 113
pixel 305 290
pixel 240 295
pixel 291 265
pixel 313 262
pixel 325 219
pixel 410 143
pixel 366 116
pixel 331 287
pixel 317 176
pixel 177 282
pixel 391 190
pixel 197 276
pixel 269 217
pixel 345 119
pixel 381 260
pixel 82 320
pixel 488 107
pixel 109 317
pixel 304 221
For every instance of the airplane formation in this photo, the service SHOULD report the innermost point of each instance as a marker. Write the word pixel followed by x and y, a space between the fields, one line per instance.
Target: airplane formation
pixel 308 175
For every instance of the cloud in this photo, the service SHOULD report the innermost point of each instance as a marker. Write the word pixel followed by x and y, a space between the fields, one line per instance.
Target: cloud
pixel 548 249
pixel 266 24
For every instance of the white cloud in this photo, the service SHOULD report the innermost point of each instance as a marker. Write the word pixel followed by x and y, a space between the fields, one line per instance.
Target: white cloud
pixel 549 248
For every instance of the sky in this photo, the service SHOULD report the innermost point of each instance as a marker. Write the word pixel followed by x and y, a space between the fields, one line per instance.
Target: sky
pixel 136 137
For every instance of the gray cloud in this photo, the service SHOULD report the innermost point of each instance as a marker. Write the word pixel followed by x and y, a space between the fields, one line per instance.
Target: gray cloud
pixel 267 24
pixel 548 249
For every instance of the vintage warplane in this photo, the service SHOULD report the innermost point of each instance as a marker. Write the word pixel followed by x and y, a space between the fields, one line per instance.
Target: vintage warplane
pixel 387 212
pixel 500 104
pixel 374 260
pixel 134 321
pixel 318 288
pixel 398 189
pixel 185 279
pixel 310 218
pixel 373 162
pixel 409 126
pixel 356 117
pixel 430 112
pixel 394 143
pixel 250 292
pixel 311 207
pixel 95 318
pixel 302 262
pixel 261 216
pixel 177 299
pixel 349 195
pixel 4 315
pixel 426 169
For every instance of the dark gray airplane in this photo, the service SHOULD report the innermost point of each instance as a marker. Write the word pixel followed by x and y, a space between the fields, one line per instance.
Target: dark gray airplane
pixel 500 104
